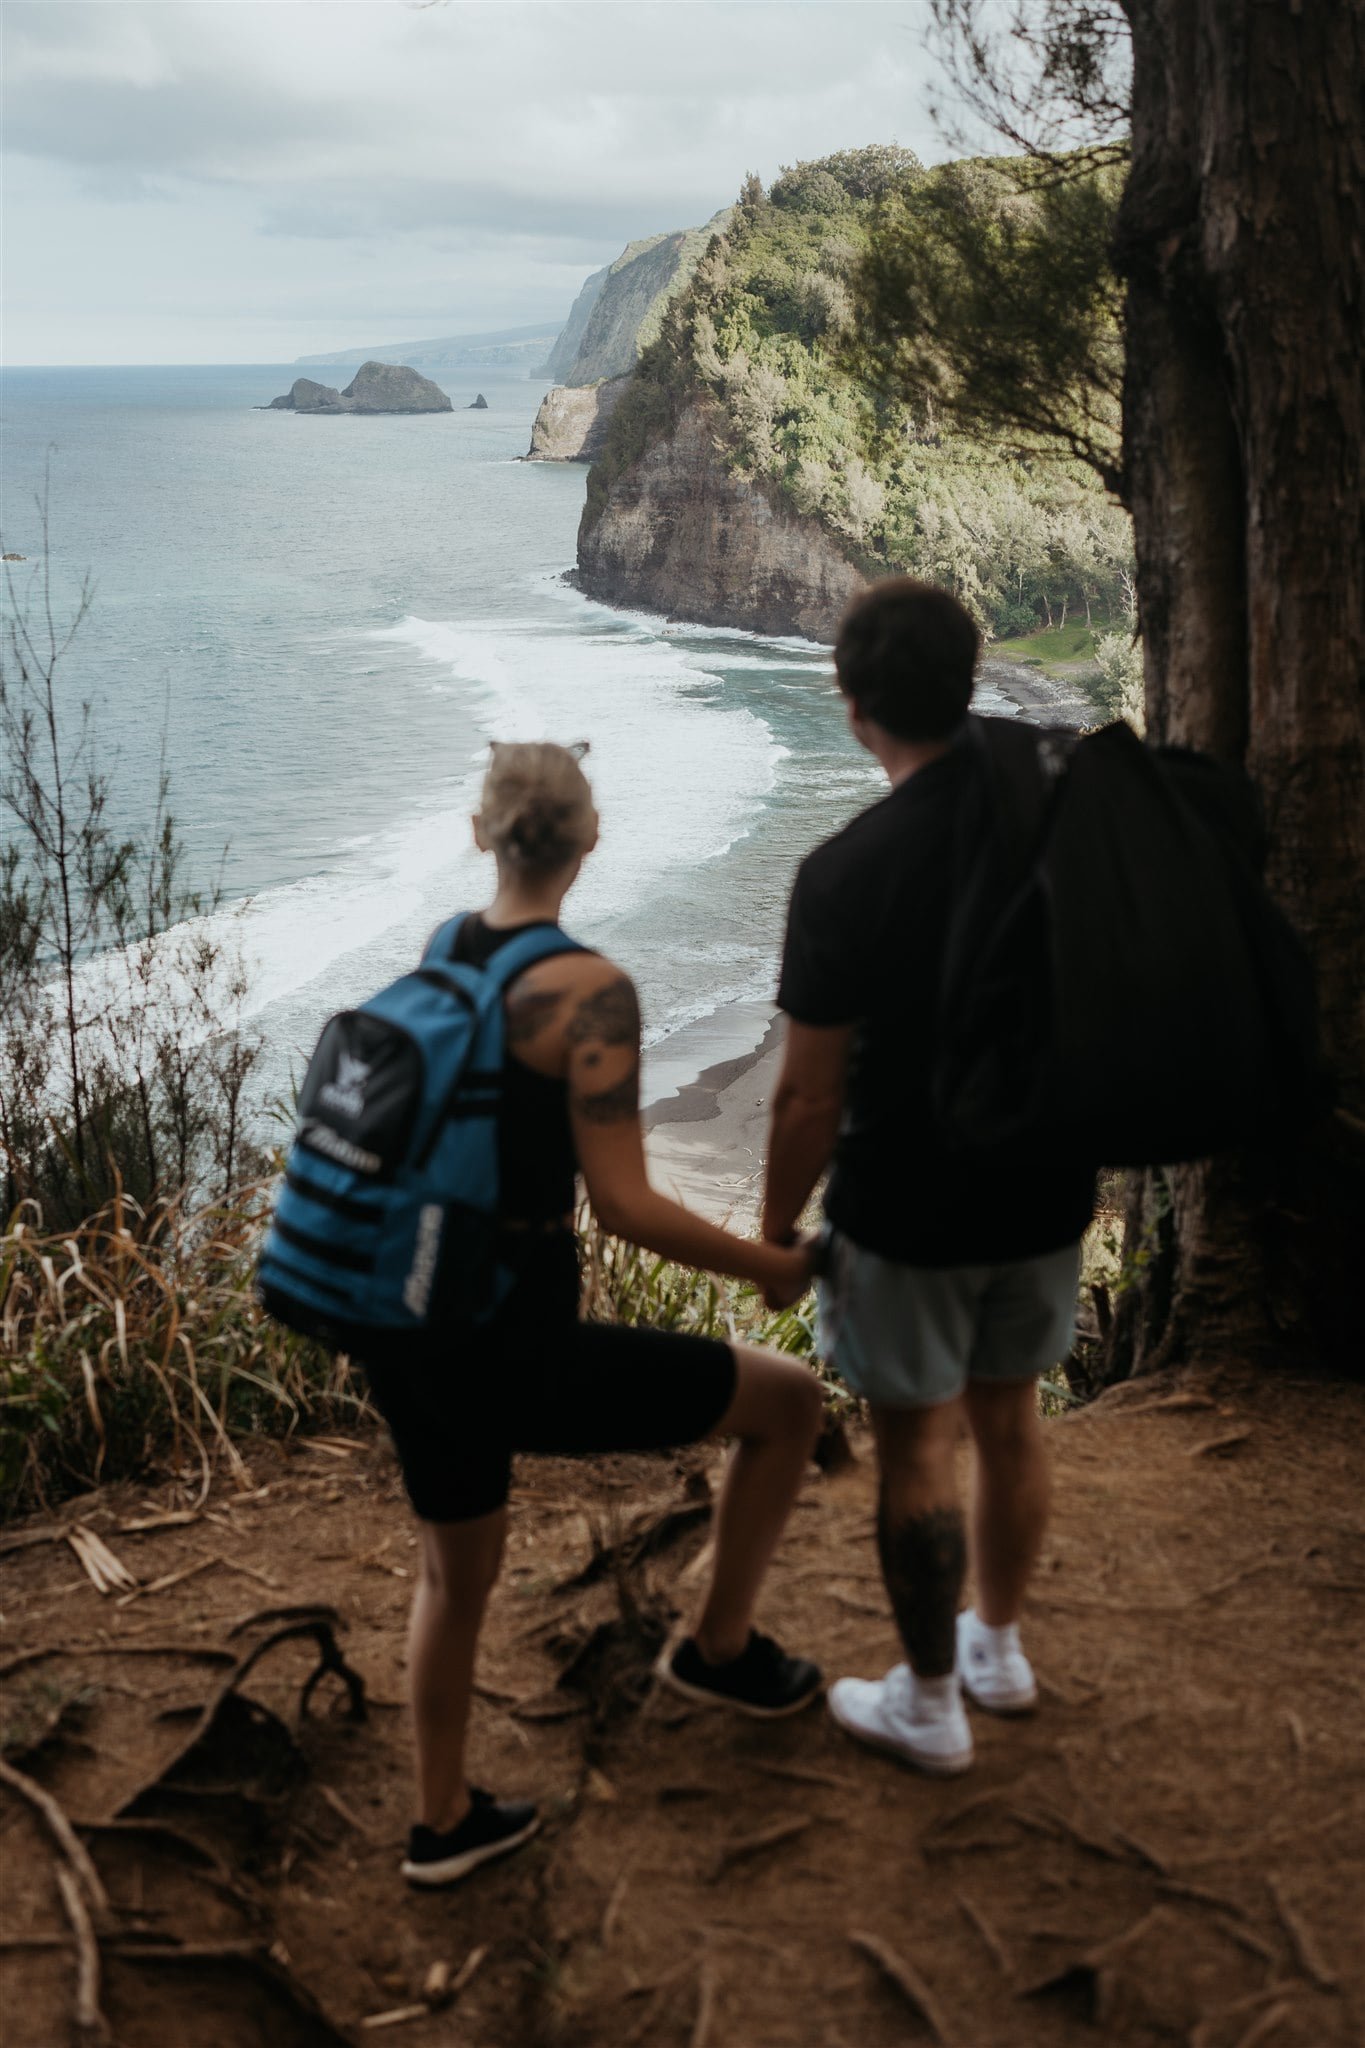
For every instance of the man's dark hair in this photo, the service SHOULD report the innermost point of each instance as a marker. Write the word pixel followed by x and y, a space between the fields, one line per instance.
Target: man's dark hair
pixel 905 653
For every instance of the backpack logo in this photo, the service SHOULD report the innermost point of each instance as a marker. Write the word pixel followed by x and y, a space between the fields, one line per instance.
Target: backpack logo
pixel 422 1273
pixel 346 1094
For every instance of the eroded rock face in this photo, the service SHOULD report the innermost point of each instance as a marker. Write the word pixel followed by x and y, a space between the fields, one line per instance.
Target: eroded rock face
pixel 681 534
pixel 375 387
pixel 571 425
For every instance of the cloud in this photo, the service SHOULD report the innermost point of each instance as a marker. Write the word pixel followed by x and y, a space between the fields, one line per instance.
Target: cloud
pixel 531 138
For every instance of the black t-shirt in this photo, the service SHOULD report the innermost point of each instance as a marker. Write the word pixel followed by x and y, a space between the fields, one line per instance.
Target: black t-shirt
pixel 865 937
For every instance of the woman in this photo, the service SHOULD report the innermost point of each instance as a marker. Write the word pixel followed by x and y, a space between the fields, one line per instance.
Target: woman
pixel 537 1379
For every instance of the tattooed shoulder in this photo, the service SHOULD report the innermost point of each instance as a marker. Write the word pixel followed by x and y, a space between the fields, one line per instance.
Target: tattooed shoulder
pixel 604 1030
pixel 611 1105
pixel 529 1010
pixel 609 1014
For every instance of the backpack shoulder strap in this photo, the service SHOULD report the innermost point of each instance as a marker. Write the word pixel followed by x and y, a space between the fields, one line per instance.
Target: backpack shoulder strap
pixel 441 945
pixel 524 951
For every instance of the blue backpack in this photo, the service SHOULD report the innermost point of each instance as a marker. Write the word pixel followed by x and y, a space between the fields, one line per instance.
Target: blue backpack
pixel 387 1220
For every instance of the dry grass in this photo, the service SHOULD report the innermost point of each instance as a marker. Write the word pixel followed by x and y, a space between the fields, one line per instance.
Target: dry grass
pixel 137 1342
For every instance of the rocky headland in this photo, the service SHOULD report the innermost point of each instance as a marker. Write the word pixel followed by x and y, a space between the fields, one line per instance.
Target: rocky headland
pixel 681 532
pixel 572 423
pixel 615 317
pixel 746 479
pixel 375 388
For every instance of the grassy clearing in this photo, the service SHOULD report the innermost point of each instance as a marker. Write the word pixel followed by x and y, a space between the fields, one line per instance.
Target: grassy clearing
pixel 1055 649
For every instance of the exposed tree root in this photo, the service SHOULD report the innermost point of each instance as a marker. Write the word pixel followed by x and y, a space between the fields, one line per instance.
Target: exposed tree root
pixel 647 1536
pixel 746 1846
pixel 1302 1940
pixel 907 1981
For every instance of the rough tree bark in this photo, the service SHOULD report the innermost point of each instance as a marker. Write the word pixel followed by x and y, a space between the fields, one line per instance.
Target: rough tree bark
pixel 1242 241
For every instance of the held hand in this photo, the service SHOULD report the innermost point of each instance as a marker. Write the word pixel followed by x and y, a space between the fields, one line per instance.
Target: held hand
pixel 793 1270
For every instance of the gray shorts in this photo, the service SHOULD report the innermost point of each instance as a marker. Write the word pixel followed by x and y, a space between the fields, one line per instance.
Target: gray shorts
pixel 912 1336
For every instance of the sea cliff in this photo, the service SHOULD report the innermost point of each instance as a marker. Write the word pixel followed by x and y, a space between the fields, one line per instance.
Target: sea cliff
pixel 571 425
pixel 617 314
pixel 680 532
pixel 757 470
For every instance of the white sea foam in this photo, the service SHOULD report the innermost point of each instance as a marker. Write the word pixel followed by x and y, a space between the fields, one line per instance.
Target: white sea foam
pixel 678 781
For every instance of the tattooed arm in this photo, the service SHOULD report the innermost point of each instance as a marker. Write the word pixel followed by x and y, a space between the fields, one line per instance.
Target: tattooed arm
pixel 602 1035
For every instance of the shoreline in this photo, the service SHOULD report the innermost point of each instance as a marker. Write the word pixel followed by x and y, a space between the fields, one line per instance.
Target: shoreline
pixel 706 1142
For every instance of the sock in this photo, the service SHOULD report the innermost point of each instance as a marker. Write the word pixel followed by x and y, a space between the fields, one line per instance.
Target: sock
pixel 994 1638
pixel 937 1694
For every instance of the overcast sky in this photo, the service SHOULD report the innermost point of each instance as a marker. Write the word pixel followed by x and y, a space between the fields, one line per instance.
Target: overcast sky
pixel 248 180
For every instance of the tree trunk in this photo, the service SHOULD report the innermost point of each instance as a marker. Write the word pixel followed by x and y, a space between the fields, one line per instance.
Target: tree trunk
pixel 1242 240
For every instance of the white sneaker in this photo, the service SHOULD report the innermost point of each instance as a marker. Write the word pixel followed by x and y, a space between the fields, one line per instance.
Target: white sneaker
pixel 918 1720
pixel 995 1672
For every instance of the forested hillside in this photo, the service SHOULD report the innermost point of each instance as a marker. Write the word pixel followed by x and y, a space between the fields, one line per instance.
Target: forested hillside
pixel 764 337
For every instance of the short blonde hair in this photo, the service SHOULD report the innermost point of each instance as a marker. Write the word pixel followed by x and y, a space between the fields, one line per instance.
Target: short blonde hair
pixel 536 809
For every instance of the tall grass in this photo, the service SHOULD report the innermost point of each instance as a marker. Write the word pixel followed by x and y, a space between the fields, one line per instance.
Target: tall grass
pixel 135 1344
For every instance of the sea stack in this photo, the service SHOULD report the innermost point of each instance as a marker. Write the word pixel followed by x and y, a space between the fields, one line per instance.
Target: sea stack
pixel 375 387
pixel 480 404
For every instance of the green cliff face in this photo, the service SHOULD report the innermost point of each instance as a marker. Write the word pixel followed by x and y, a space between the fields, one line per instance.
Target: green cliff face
pixel 620 311
pixel 763 341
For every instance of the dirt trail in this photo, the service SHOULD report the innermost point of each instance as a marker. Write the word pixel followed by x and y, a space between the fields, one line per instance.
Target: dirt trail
pixel 1171 1850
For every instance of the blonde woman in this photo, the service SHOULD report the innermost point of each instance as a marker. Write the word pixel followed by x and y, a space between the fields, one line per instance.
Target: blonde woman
pixel 538 1379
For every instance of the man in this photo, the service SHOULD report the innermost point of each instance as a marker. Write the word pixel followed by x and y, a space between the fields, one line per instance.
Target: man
pixel 950 1285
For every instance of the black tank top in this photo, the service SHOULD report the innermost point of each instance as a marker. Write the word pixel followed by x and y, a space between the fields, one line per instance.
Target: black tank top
pixel 536 1159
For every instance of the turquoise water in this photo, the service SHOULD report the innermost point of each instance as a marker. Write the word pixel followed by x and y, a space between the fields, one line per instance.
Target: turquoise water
pixel 325 621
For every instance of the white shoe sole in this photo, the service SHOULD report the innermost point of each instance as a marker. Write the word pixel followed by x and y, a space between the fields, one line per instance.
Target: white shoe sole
pixel 1011 1707
pixel 452 1868
pixel 951 1766
pixel 702 1697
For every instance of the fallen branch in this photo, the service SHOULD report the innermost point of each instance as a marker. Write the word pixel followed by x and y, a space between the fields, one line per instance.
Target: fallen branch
pixel 907 1981
pixel 470 1967
pixel 168 1579
pixel 105 1572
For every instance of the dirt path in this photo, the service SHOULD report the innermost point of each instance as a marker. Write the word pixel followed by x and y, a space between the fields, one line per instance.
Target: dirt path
pixel 1173 1849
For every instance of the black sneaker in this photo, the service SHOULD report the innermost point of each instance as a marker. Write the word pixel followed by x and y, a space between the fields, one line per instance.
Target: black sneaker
pixel 490 1828
pixel 762 1680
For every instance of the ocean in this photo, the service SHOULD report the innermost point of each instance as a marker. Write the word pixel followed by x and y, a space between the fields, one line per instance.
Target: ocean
pixel 319 624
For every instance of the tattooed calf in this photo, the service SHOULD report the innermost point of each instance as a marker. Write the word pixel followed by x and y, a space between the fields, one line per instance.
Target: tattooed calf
pixel 924 1561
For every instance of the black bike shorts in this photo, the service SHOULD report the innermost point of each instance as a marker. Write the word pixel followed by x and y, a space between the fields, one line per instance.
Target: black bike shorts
pixel 540 1381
